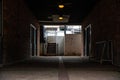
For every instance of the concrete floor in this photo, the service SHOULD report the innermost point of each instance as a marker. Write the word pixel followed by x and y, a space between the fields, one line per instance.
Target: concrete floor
pixel 59 68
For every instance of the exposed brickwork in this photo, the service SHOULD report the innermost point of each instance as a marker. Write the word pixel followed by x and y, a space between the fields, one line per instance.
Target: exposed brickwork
pixel 17 19
pixel 105 21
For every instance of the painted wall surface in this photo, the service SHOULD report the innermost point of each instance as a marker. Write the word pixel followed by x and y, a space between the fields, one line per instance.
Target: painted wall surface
pixel 60 42
pixel 51 39
pixel 105 22
pixel 73 45
pixel 16 25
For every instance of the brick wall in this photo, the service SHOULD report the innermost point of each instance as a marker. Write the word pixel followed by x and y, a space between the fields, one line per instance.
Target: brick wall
pixel 105 21
pixel 0 32
pixel 16 22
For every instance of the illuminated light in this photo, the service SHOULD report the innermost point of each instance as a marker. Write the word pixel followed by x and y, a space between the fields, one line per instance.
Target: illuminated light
pixel 61 6
pixel 60 18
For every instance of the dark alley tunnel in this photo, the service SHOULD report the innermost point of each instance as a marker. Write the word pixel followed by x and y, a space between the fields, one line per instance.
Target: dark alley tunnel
pixel 41 41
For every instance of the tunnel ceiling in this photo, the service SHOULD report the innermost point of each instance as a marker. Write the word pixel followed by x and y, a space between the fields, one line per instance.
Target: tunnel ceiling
pixel 77 10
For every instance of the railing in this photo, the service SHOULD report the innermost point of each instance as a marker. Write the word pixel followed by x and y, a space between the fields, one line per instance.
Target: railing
pixel 104 51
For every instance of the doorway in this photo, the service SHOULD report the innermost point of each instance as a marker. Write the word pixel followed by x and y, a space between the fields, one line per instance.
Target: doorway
pixel 88 40
pixel 54 40
pixel 63 40
pixel 33 40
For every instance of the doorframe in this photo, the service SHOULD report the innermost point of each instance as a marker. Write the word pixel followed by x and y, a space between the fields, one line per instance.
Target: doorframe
pixel 88 53
pixel 35 40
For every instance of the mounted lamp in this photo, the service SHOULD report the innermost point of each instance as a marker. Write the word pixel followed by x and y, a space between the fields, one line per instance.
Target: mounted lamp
pixel 60 18
pixel 61 6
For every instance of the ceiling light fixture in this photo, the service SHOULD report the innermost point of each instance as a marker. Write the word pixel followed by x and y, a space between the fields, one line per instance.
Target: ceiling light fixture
pixel 61 6
pixel 60 18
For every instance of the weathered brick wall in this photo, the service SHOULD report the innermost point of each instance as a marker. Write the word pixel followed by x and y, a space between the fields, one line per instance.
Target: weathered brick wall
pixel 16 21
pixel 0 32
pixel 105 21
